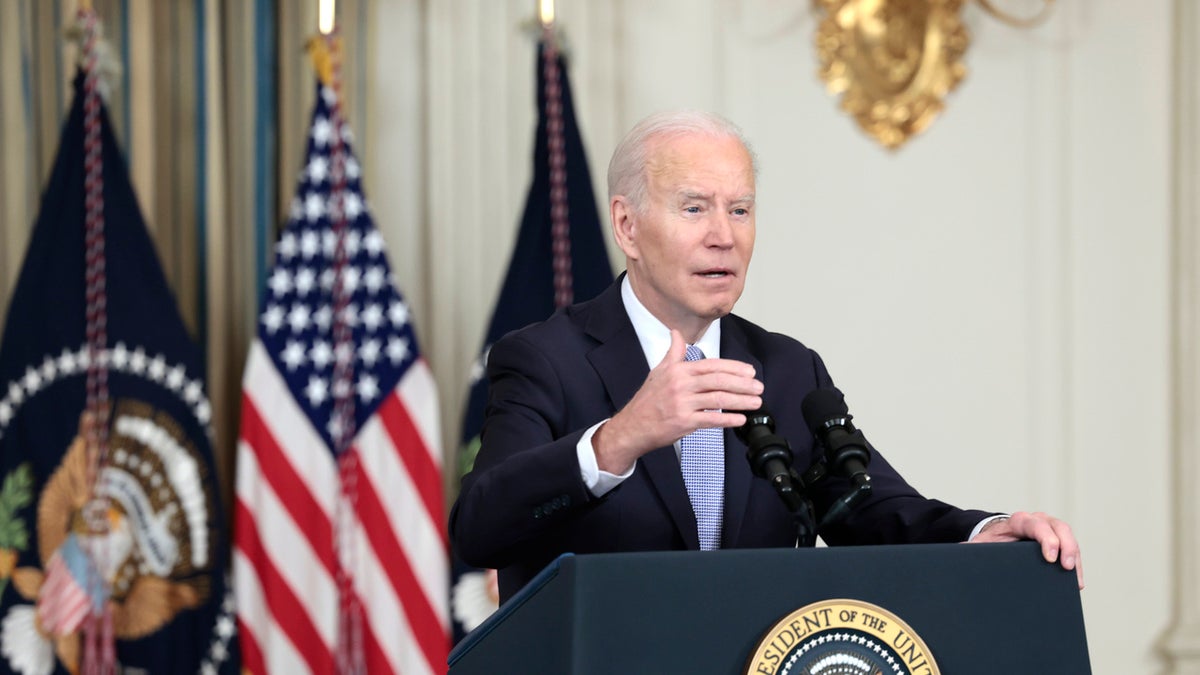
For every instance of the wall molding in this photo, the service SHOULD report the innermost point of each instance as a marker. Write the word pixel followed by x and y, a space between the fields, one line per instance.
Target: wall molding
pixel 1182 641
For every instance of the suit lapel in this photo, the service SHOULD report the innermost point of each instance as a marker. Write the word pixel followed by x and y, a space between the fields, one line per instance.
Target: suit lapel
pixel 737 476
pixel 621 366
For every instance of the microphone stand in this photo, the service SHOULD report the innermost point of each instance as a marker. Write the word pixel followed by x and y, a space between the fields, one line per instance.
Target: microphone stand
pixel 803 517
pixel 847 453
pixel 770 457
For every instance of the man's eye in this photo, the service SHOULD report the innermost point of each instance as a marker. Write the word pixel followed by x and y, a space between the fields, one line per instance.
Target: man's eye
pixel 741 212
pixel 691 209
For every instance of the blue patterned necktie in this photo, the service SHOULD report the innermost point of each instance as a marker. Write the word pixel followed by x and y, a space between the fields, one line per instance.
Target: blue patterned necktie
pixel 702 459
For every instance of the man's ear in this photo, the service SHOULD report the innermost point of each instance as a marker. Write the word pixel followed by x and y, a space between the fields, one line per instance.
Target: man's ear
pixel 621 215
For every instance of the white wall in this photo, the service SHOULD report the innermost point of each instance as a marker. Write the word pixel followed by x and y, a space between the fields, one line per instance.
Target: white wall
pixel 993 298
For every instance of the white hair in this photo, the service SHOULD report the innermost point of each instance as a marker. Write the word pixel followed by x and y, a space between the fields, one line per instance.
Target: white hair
pixel 627 169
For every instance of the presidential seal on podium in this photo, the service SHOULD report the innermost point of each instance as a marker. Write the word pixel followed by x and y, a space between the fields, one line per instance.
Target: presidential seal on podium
pixel 841 637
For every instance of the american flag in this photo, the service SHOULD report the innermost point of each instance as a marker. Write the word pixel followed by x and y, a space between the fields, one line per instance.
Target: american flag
pixel 298 523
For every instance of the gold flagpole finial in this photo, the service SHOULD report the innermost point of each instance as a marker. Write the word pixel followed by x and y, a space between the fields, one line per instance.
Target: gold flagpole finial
pixel 323 50
pixel 326 13
pixel 546 12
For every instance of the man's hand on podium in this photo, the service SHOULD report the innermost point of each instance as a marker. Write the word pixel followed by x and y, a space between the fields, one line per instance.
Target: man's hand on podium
pixel 1055 536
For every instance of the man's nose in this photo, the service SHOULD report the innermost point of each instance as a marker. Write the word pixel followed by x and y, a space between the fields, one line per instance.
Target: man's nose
pixel 720 231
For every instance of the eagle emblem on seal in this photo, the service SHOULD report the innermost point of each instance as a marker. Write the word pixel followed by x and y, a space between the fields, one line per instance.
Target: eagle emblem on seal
pixel 150 560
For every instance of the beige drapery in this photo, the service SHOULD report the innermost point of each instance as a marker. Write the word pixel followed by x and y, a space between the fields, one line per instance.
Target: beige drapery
pixel 213 120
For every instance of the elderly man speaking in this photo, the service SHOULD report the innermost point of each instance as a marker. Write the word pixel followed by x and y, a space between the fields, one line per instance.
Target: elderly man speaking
pixel 610 425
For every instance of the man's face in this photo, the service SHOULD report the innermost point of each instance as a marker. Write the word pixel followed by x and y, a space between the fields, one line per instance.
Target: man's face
pixel 689 246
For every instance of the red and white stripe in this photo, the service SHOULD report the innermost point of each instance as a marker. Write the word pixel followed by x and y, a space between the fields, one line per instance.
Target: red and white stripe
pixel 62 603
pixel 284 558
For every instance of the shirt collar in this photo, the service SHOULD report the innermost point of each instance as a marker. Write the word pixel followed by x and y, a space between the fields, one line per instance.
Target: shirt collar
pixel 655 337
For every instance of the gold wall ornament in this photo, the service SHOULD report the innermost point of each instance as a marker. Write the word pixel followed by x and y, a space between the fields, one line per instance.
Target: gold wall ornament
pixel 893 61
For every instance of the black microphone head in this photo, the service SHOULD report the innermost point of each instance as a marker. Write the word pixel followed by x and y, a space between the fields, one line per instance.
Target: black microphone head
pixel 755 419
pixel 822 405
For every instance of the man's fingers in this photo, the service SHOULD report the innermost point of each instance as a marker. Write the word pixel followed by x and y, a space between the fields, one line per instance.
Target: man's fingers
pixel 1069 554
pixel 1055 537
pixel 715 419
pixel 718 401
pixel 721 366
pixel 1036 526
pixel 725 382
pixel 677 351
pixel 1068 548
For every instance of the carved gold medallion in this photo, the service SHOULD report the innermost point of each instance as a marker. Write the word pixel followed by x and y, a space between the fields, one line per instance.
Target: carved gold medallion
pixel 893 61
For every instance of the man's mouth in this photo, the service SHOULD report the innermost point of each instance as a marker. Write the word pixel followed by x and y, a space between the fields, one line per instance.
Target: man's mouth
pixel 715 273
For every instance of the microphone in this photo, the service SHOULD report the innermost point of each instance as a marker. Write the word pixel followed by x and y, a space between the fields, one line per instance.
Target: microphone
pixel 847 451
pixel 770 456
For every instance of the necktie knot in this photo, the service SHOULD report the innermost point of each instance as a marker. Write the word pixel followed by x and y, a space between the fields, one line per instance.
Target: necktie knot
pixel 694 353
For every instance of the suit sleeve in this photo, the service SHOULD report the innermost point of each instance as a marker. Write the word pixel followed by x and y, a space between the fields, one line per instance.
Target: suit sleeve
pixel 526 480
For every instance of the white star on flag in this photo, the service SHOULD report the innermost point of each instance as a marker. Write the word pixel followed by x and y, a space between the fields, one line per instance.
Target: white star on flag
pixel 272 319
pixel 318 169
pixel 316 390
pixel 398 314
pixel 286 248
pixel 374 279
pixel 372 317
pixel 321 355
pixel 373 242
pixel 299 316
pixel 322 132
pixel 397 350
pixel 305 281
pixel 294 356
pixel 280 281
pixel 367 388
pixel 314 208
pixel 368 353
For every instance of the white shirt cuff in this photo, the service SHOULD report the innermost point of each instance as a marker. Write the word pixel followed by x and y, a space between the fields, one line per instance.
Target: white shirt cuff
pixel 597 482
pixel 979 528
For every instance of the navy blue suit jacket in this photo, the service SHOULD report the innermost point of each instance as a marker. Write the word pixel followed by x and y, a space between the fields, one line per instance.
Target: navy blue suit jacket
pixel 524 503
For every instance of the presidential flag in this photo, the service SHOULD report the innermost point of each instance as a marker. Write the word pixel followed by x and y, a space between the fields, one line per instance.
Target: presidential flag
pixel 340 558
pixel 112 541
pixel 559 258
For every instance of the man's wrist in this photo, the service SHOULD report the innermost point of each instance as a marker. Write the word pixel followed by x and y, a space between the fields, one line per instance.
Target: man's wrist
pixel 596 479
pixel 987 523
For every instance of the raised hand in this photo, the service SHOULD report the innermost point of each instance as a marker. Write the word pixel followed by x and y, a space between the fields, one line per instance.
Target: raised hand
pixel 678 397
